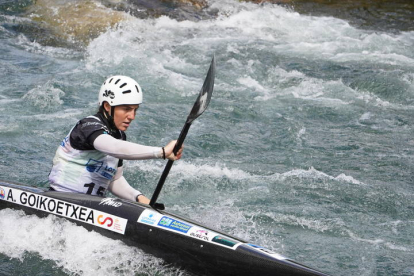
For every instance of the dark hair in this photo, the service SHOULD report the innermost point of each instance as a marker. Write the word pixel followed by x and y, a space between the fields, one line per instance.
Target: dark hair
pixel 101 109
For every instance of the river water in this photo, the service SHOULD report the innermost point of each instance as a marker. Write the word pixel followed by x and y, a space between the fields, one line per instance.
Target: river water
pixel 306 147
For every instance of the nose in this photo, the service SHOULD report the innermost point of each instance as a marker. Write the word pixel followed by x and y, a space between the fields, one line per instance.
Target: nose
pixel 131 115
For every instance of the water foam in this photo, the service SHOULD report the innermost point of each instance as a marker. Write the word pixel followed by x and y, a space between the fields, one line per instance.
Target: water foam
pixel 45 96
pixel 37 48
pixel 192 170
pixel 376 101
pixel 183 170
pixel 251 33
pixel 72 248
pixel 314 174
pixel 409 80
pixel 70 113
pixel 318 225
pixel 315 37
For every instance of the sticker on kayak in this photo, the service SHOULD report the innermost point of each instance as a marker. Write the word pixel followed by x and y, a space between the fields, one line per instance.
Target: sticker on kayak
pixel 267 252
pixel 2 193
pixel 210 236
pixel 158 220
pixel 201 234
pixel 226 241
pixel 64 209
pixel 153 218
pixel 149 217
pixel 174 224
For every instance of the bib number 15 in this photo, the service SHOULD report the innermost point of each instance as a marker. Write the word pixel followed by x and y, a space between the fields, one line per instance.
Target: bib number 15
pixel 90 186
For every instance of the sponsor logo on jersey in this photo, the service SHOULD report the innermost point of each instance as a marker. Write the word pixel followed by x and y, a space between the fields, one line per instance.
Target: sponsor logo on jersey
pixel 93 165
pixel 65 209
pixel 87 124
pixel 108 172
pixel 64 141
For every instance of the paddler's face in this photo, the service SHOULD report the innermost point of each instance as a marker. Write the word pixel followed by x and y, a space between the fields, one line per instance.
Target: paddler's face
pixel 123 115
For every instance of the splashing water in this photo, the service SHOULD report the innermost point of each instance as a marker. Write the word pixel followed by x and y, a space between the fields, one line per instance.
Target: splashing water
pixel 306 147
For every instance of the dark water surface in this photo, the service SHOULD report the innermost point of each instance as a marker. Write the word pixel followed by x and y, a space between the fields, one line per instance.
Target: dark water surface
pixel 380 15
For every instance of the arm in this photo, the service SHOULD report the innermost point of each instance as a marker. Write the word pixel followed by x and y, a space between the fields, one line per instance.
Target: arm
pixel 120 187
pixel 125 150
pixel 131 151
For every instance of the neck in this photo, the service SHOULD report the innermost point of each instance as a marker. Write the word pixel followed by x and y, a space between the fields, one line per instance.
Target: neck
pixel 110 120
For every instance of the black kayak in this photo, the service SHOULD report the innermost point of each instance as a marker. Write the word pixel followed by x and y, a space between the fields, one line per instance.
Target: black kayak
pixel 178 240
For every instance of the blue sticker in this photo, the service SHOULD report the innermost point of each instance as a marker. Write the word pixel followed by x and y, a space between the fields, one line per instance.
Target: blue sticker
pixel 174 224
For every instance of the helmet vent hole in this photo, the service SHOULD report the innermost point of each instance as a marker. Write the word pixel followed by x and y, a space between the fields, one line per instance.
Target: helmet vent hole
pixel 126 91
pixel 117 81
pixel 123 85
pixel 137 88
pixel 110 80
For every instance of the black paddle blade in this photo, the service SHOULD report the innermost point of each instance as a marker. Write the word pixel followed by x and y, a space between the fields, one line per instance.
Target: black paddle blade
pixel 206 91
pixel 200 105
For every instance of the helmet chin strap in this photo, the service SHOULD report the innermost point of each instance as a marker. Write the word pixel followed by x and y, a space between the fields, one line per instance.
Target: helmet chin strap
pixel 110 118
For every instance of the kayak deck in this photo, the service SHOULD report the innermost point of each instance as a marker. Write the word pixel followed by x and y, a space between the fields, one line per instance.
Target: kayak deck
pixel 175 239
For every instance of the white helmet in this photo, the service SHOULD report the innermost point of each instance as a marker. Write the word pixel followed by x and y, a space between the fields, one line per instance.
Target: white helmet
pixel 119 90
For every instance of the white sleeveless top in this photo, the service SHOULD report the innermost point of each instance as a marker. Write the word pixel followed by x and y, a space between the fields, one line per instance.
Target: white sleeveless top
pixel 86 171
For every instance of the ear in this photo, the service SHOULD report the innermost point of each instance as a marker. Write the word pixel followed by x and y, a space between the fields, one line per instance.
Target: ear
pixel 107 107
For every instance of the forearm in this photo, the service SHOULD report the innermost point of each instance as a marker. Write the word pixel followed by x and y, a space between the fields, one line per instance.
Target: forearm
pixel 121 188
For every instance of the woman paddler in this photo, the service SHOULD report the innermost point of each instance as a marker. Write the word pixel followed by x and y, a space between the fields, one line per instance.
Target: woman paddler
pixel 90 158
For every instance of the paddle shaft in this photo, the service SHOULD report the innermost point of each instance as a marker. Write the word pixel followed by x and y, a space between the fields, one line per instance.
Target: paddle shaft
pixel 199 107
pixel 167 168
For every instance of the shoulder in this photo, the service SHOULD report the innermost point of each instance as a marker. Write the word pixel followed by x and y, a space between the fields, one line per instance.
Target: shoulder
pixel 86 131
pixel 92 123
